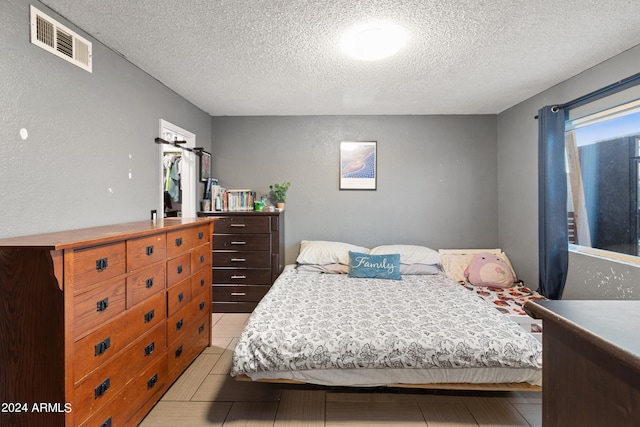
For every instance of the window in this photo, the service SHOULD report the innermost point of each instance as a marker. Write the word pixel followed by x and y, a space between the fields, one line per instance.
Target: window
pixel 603 178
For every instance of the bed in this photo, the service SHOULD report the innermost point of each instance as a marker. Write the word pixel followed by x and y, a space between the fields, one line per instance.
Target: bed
pixel 509 301
pixel 421 329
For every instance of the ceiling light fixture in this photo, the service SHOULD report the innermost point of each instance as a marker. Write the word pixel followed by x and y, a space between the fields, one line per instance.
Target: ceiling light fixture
pixel 373 41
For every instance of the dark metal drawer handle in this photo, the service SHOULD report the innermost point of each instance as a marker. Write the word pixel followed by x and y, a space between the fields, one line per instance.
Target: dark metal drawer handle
pixel 152 381
pixel 238 294
pixel 179 269
pixel 201 305
pixel 148 317
pixel 179 241
pixel 149 283
pixel 180 297
pixel 179 324
pixel 102 264
pixel 239 276
pixel 102 305
pixel 238 243
pixel 238 260
pixel 149 349
pixel 179 351
pixel 102 388
pixel 103 346
pixel 200 235
pixel 149 250
pixel 201 282
pixel 202 258
pixel 106 423
pixel 237 225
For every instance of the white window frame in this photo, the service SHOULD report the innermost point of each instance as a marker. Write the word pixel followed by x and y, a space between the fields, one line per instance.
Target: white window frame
pixel 605 113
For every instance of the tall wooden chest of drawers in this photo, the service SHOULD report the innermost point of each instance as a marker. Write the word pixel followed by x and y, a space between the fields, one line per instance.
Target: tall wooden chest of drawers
pixel 96 324
pixel 248 256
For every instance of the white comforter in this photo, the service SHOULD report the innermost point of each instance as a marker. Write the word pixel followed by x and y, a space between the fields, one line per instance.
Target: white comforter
pixel 311 321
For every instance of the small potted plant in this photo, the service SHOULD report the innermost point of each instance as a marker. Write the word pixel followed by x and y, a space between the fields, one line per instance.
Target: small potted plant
pixel 280 193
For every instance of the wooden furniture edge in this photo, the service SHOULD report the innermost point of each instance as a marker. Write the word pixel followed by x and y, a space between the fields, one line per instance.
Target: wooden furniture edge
pixel 98 235
pixel 440 386
pixel 537 311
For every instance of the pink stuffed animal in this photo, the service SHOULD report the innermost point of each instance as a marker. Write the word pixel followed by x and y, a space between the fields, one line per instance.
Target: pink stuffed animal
pixel 486 269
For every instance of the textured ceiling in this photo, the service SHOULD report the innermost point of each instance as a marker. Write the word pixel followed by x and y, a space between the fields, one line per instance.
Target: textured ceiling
pixel 282 57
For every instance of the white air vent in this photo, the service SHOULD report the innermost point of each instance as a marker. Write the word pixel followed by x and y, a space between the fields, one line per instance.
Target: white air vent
pixel 59 40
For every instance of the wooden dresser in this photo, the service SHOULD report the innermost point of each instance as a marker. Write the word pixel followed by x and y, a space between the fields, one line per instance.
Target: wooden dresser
pixel 591 359
pixel 96 324
pixel 248 256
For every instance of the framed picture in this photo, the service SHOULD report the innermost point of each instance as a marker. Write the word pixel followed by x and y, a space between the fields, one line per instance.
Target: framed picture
pixel 205 166
pixel 358 165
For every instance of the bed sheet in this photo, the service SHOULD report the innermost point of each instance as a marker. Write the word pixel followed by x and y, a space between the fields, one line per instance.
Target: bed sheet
pixel 507 300
pixel 510 301
pixel 311 322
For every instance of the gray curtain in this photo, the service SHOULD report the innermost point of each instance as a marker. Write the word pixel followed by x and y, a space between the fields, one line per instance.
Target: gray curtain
pixel 552 202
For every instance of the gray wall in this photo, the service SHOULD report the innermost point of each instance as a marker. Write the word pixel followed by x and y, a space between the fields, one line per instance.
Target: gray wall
pixel 443 180
pixel 87 131
pixel 589 277
pixel 595 278
pixel 436 177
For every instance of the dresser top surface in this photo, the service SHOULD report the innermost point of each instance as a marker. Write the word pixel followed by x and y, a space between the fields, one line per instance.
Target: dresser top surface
pixel 240 213
pixel 97 235
pixel 612 324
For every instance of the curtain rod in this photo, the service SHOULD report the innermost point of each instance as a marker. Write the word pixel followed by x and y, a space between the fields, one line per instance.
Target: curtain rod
pixel 616 87
pixel 197 150
pixel 605 91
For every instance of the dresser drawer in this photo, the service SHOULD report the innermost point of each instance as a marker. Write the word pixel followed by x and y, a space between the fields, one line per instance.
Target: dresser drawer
pixel 97 263
pixel 145 283
pixel 146 250
pixel 182 323
pixel 242 293
pixel 95 307
pixel 151 345
pixel 101 345
pixel 201 258
pixel 135 394
pixel 242 224
pixel 178 269
pixel 181 241
pixel 249 276
pixel 201 305
pixel 178 296
pixel 184 350
pixel 233 307
pixel 103 384
pixel 242 242
pixel 200 282
pixel 242 259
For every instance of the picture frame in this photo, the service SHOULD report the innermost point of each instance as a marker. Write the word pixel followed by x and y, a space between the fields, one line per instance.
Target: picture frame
pixel 358 165
pixel 205 166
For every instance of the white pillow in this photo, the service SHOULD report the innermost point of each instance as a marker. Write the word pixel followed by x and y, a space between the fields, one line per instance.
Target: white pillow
pixel 322 252
pixel 327 268
pixel 455 261
pixel 423 269
pixel 409 254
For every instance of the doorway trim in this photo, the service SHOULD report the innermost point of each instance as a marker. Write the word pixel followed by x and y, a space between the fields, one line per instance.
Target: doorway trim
pixel 188 175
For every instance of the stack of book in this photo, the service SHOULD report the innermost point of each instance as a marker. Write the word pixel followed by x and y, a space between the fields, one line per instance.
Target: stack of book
pixel 238 200
pixel 228 200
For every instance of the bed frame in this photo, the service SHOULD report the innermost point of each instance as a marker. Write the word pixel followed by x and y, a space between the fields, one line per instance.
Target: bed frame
pixel 442 386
